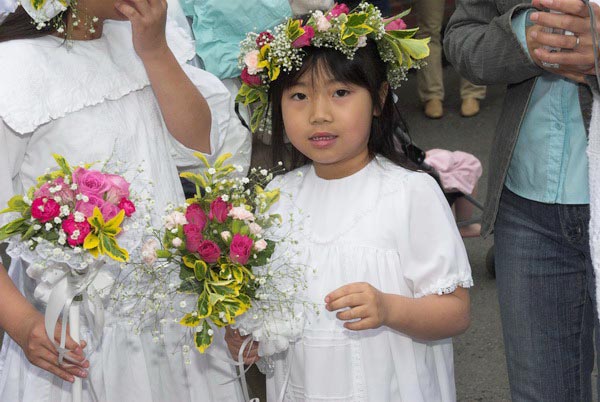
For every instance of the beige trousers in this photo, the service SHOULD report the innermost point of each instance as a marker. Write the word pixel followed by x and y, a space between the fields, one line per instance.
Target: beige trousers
pixel 430 82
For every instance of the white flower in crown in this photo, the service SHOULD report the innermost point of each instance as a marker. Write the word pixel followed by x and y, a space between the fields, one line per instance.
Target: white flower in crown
pixel 42 11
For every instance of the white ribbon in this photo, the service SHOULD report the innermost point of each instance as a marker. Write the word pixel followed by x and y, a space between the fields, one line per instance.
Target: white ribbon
pixel 7 7
pixel 60 301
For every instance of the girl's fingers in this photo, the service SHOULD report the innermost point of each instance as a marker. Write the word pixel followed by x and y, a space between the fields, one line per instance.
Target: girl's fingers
pixel 361 325
pixel 345 290
pixel 353 313
pixel 56 370
pixel 127 10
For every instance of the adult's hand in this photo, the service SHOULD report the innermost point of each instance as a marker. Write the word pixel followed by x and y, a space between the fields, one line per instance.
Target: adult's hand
pixel 234 343
pixel 576 58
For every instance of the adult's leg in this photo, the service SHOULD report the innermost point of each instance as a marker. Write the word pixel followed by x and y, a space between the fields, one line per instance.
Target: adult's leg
pixel 470 90
pixel 543 280
pixel 430 15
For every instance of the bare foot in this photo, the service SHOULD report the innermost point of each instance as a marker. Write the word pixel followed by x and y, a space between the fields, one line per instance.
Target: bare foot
pixel 472 230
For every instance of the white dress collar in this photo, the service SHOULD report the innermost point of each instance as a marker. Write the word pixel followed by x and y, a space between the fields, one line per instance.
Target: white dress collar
pixel 42 79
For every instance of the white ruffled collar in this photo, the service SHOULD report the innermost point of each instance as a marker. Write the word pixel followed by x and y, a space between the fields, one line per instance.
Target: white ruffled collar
pixel 42 79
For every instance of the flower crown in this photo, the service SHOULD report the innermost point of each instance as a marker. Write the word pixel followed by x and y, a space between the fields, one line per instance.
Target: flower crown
pixel 41 11
pixel 265 55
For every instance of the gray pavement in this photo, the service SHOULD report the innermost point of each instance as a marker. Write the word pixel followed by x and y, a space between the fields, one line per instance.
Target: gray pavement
pixel 479 353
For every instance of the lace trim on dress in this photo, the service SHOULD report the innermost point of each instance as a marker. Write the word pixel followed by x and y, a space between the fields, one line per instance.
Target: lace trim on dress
pixel 43 80
pixel 445 286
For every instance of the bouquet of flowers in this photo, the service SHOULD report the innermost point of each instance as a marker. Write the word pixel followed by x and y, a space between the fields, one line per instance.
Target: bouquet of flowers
pixel 217 244
pixel 68 226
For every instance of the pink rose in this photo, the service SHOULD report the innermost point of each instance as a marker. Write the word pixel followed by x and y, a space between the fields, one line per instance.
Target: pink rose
pixel 260 245
pixel 174 219
pixel 240 249
pixel 241 214
pixel 209 251
pixel 338 10
pixel 109 211
pixel 264 38
pixel 193 237
pixel 149 251
pixel 255 228
pixel 87 207
pixel 118 188
pixel 91 182
pixel 323 23
pixel 195 215
pixel 127 206
pixel 305 38
pixel 251 60
pixel 65 193
pixel 249 79
pixel 44 209
pixel 219 210
pixel 76 231
pixel 396 25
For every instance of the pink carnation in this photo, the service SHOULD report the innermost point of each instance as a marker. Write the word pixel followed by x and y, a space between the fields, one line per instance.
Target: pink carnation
pixel 219 210
pixel 338 10
pixel 249 79
pixel 240 249
pixel 91 182
pixel 193 237
pixel 396 25
pixel 44 209
pixel 305 38
pixel 127 206
pixel 209 251
pixel 76 231
pixel 195 215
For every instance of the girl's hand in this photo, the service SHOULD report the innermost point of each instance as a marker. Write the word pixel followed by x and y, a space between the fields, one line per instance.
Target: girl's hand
pixel 41 352
pixel 148 19
pixel 365 303
pixel 234 343
pixel 576 58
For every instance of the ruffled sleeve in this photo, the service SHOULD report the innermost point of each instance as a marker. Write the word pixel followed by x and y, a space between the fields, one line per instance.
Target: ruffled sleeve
pixel 13 148
pixel 432 252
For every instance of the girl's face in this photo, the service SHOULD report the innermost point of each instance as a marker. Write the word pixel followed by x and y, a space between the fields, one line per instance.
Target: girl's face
pixel 329 122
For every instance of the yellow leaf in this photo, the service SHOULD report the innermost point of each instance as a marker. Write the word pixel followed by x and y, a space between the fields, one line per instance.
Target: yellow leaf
pixel 201 156
pixel 112 227
pixel 190 320
pixel 91 242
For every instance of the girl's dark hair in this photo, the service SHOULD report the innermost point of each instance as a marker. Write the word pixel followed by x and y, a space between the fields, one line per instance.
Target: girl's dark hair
pixel 367 70
pixel 19 25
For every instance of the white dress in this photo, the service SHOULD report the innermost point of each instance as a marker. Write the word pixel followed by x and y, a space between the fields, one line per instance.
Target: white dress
pixel 91 103
pixel 393 229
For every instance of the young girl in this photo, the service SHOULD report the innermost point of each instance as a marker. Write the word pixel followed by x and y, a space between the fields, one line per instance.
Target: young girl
pixel 108 90
pixel 391 268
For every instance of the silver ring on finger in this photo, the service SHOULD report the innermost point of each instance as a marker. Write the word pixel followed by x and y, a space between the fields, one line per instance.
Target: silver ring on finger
pixel 576 42
pixel 550 65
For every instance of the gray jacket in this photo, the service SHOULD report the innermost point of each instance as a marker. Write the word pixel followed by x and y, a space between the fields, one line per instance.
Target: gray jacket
pixel 480 43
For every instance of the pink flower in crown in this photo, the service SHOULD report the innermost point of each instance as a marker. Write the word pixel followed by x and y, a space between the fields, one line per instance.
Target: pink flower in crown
pixel 86 205
pixel 252 59
pixel 59 189
pixel 305 38
pixel 240 249
pixel 127 206
pixel 249 79
pixel 322 22
pixel 91 182
pixel 76 231
pixel 209 251
pixel 396 25
pixel 118 188
pixel 219 210
pixel 264 38
pixel 195 215
pixel 193 237
pixel 338 10
pixel 44 209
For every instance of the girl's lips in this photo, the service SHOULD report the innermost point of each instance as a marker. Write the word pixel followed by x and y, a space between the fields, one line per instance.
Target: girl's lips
pixel 322 140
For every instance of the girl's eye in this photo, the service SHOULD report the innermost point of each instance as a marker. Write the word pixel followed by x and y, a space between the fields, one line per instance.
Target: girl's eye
pixel 341 93
pixel 298 96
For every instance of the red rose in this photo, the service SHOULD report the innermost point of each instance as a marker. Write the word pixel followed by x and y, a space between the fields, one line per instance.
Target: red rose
pixel 219 210
pixel 249 79
pixel 195 216
pixel 306 37
pixel 76 231
pixel 193 237
pixel 209 251
pixel 396 25
pixel 44 209
pixel 240 249
pixel 127 206
pixel 264 38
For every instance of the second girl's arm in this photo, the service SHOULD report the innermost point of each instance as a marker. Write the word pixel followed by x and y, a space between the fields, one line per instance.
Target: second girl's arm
pixel 184 109
pixel 426 318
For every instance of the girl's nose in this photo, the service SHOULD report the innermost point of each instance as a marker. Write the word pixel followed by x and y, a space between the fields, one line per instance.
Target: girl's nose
pixel 320 111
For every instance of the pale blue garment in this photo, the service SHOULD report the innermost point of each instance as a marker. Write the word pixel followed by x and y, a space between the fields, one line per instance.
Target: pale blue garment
pixel 549 163
pixel 220 25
